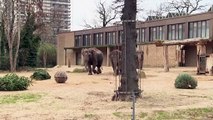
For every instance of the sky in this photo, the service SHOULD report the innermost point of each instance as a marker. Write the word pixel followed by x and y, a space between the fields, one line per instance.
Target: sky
pixel 85 10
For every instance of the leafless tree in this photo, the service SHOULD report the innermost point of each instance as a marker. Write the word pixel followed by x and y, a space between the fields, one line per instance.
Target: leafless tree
pixel 129 79
pixel 11 15
pixel 185 6
pixel 119 4
pixel 159 11
pixel 12 29
pixel 106 15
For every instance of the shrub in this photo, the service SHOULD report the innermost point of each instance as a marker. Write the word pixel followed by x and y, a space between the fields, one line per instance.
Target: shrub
pixel 79 70
pixel 12 82
pixel 40 74
pixel 47 55
pixel 185 81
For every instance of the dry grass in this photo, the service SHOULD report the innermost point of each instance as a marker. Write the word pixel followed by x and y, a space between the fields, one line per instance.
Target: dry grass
pixel 85 97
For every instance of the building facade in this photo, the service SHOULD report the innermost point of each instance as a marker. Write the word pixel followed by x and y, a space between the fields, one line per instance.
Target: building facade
pixel 58 12
pixel 170 28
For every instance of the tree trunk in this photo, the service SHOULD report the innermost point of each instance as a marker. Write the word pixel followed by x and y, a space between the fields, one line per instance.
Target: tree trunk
pixel 11 58
pixel 129 78
pixel 44 59
pixel 17 44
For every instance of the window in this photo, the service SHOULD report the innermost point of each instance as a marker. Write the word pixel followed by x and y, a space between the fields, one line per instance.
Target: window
pixel 121 37
pixel 138 36
pixel 86 40
pixel 142 35
pixel 156 33
pixel 98 39
pixel 78 40
pixel 111 38
pixel 175 32
pixel 199 29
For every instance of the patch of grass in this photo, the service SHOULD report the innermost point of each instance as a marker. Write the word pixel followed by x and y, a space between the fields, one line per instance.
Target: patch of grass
pixel 79 70
pixel 143 115
pixel 91 116
pixel 122 116
pixel 201 113
pixel 117 114
pixel 26 97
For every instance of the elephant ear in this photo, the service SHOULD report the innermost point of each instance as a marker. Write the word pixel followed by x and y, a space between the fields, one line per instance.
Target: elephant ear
pixel 82 51
pixel 93 51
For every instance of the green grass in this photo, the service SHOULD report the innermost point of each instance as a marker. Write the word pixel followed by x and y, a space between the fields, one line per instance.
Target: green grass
pixel 191 114
pixel 79 70
pixel 143 115
pixel 19 98
pixel 122 116
pixel 91 116
pixel 117 114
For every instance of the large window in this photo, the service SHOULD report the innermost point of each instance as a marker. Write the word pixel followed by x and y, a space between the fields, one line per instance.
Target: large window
pixel 156 33
pixel 98 39
pixel 121 37
pixel 86 40
pixel 141 35
pixel 78 41
pixel 111 38
pixel 175 32
pixel 199 29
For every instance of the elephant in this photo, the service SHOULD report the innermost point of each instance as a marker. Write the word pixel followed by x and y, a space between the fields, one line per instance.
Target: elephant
pixel 139 59
pixel 115 58
pixel 93 58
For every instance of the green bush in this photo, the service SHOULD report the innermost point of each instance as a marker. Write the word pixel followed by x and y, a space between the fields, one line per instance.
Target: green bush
pixel 40 74
pixel 185 81
pixel 12 82
pixel 47 55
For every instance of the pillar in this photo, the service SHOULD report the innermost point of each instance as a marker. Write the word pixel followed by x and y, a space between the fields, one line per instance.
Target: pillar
pixel 166 59
pixel 201 63
pixel 108 52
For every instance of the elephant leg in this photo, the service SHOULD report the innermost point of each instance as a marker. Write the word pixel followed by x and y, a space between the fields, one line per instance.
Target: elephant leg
pixel 93 69
pixel 113 67
pixel 90 70
pixel 99 70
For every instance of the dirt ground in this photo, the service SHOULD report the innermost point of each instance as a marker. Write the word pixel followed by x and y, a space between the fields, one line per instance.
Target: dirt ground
pixel 85 97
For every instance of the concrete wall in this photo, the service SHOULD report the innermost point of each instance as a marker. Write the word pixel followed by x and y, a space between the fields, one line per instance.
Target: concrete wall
pixel 63 41
pixel 209 64
pixel 154 57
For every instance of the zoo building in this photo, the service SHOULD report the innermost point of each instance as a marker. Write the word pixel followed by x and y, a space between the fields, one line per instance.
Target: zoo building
pixel 186 37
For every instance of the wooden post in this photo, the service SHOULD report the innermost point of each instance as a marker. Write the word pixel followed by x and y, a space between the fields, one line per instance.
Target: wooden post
pixel 65 50
pixel 166 59
pixel 201 64
pixel 107 60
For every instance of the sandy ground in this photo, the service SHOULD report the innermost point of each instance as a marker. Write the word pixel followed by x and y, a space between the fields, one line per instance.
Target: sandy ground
pixel 85 97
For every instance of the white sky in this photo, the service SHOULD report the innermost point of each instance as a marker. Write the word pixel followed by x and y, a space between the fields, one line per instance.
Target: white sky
pixel 85 10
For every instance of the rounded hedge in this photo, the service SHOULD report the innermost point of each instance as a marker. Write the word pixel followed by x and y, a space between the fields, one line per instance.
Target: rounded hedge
pixel 12 82
pixel 40 74
pixel 185 81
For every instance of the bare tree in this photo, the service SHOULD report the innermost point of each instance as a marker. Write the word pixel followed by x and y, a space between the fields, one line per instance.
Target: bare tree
pixel 106 15
pixel 11 15
pixel 129 79
pixel 57 23
pixel 12 29
pixel 185 6
pixel 159 11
